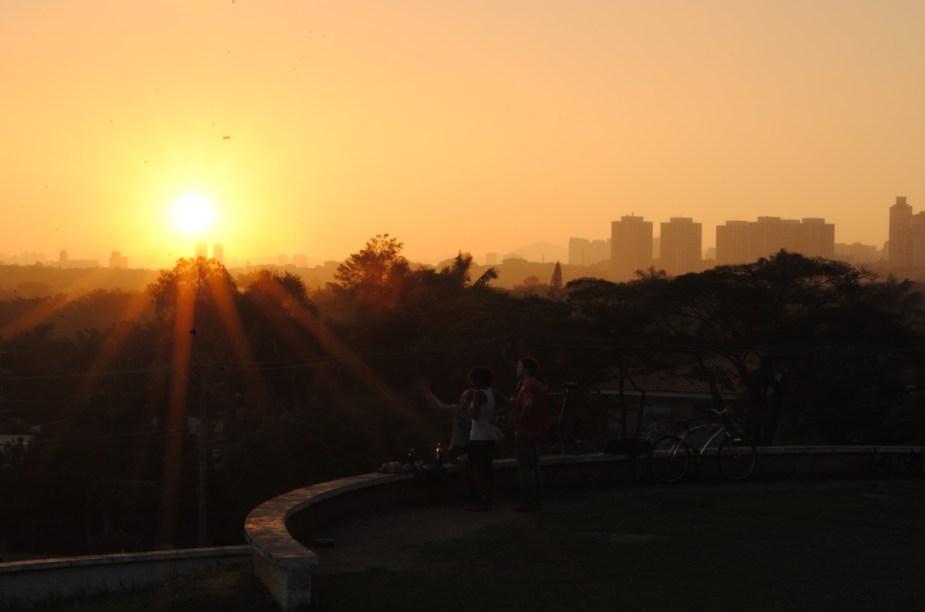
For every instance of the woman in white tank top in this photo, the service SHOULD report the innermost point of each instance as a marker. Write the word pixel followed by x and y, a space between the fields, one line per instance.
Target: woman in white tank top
pixel 481 407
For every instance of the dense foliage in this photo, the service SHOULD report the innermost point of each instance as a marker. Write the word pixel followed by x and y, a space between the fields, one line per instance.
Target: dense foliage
pixel 295 387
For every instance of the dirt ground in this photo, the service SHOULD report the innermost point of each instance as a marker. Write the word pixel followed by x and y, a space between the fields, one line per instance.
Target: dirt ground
pixel 771 545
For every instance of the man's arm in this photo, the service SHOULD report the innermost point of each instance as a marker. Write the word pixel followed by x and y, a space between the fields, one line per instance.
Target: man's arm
pixel 503 404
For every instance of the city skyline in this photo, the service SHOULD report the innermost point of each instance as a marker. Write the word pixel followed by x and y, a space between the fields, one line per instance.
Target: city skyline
pixel 557 249
pixel 478 127
pixel 678 247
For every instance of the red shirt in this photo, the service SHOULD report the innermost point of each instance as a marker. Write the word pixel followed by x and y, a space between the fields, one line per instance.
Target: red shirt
pixel 537 422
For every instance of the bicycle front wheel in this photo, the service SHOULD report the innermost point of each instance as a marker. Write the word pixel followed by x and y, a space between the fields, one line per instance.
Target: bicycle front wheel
pixel 669 459
pixel 736 458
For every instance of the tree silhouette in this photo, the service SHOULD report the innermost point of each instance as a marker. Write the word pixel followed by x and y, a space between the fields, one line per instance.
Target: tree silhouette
pixel 820 351
pixel 650 273
pixel 378 273
pixel 456 274
pixel 487 276
pixel 555 282
pixel 458 271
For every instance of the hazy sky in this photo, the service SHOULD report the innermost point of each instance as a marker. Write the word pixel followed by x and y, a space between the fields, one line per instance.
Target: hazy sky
pixel 479 125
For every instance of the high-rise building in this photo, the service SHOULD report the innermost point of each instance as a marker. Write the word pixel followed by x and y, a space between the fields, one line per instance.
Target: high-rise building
pixel 747 241
pixel 900 232
pixel 857 253
pixel 732 244
pixel 915 241
pixel 578 249
pixel 680 249
pixel 768 235
pixel 218 252
pixel 118 260
pixel 630 246
pixel 202 250
pixel 816 238
pixel 584 252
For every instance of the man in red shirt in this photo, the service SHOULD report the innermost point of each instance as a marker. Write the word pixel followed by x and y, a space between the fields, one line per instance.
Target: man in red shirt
pixel 531 424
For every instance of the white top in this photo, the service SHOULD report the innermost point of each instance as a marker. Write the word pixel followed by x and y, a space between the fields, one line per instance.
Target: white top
pixel 482 428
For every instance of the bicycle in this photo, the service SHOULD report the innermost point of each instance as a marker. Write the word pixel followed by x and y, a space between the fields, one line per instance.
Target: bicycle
pixel 672 455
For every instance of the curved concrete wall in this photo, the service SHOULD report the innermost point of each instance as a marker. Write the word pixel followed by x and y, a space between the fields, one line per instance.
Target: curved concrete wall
pixel 277 529
pixel 30 583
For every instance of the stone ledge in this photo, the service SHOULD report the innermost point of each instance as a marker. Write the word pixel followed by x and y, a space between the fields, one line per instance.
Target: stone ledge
pixel 157 556
pixel 838 450
pixel 281 562
pixel 29 583
pixel 266 526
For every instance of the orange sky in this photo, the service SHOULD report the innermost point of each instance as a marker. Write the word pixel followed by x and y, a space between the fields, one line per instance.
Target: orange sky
pixel 481 125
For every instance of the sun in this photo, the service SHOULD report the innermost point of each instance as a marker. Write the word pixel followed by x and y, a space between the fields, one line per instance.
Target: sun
pixel 193 213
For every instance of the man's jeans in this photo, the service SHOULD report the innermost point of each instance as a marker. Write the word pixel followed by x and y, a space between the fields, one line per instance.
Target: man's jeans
pixel 528 465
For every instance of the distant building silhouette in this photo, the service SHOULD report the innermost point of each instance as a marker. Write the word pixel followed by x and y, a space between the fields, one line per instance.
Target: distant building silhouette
pixel 630 246
pixel 732 244
pixel 681 246
pixel 202 250
pixel 905 233
pixel 584 252
pixel 746 241
pixel 857 253
pixel 218 252
pixel 769 235
pixel 282 259
pixel 64 262
pixel 300 260
pixel 816 238
pixel 118 261
pixel 491 259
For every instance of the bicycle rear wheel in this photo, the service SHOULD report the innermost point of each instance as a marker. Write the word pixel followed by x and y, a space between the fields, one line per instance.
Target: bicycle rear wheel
pixel 736 458
pixel 669 459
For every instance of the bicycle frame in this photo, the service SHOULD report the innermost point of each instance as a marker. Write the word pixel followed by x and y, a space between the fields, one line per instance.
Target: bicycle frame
pixel 719 430
pixel 672 454
pixel 557 422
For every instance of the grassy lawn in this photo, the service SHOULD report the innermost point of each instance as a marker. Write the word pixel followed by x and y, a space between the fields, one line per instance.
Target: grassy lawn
pixel 798 545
